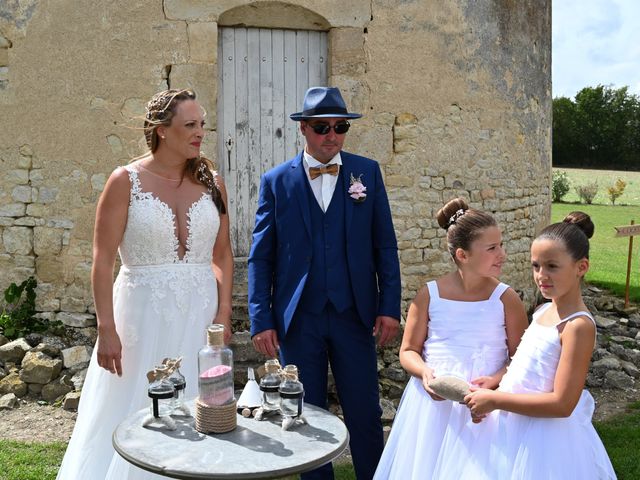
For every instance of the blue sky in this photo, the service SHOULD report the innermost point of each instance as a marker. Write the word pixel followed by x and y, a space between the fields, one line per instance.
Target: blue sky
pixel 595 42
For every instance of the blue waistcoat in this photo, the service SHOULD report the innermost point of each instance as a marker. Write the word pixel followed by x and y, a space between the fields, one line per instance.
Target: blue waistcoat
pixel 328 279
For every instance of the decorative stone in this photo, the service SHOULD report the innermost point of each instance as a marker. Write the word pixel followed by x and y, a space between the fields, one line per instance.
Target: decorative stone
pixel 604 322
pixel 49 350
pixel 13 384
pixel 47 241
pixel 18 240
pixel 8 401
pixel 630 369
pixel 21 193
pixel 71 401
pixel 75 356
pixel 54 390
pixel 39 368
pixel 618 379
pixel 76 319
pixel 14 351
pixel 13 210
pixel 78 379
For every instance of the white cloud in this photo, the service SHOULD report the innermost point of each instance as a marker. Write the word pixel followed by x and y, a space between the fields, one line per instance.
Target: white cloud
pixel 595 42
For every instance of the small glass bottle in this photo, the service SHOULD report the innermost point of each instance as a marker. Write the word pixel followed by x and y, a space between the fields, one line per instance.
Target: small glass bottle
pixel 179 383
pixel 291 392
pixel 161 393
pixel 269 385
pixel 215 369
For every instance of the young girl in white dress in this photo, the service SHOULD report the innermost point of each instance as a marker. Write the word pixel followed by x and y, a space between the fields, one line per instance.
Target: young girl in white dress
pixel 165 215
pixel 465 324
pixel 544 429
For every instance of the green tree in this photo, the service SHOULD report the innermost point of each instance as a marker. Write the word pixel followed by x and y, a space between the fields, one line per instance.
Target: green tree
pixel 600 129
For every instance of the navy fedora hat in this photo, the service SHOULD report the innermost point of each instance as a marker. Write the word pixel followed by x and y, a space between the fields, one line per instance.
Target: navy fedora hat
pixel 323 102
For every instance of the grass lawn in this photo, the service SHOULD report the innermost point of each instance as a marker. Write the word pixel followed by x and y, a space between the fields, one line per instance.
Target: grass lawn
pixel 608 253
pixel 30 461
pixel 605 178
pixel 621 437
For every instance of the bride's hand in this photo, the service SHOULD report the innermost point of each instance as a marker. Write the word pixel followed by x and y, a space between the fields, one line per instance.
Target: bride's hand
pixel 110 350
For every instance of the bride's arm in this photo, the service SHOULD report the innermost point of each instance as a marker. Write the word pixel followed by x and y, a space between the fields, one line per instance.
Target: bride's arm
pixel 111 219
pixel 223 267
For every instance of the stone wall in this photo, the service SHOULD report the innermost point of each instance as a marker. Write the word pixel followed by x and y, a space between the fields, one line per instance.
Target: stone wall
pixel 456 97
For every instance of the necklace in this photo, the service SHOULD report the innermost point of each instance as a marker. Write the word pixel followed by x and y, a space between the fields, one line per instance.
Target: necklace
pixel 158 175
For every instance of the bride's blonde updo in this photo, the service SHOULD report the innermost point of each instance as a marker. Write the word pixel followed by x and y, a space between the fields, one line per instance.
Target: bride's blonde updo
pixel 463 224
pixel 159 111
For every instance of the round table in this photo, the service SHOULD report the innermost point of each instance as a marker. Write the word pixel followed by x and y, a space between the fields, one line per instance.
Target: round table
pixel 255 449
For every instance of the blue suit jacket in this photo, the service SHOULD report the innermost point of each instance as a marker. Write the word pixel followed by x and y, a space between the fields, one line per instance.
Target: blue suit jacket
pixel 280 255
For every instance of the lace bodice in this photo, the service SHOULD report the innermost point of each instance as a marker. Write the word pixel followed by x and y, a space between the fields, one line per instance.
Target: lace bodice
pixel 150 234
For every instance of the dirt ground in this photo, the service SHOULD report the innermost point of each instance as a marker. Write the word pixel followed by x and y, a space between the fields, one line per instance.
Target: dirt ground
pixel 33 422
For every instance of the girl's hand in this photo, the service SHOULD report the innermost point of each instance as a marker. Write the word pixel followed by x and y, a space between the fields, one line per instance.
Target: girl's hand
pixel 110 350
pixel 427 376
pixel 486 381
pixel 480 402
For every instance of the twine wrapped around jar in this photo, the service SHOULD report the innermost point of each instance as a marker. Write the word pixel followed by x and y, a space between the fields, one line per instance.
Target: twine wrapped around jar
pixel 216 418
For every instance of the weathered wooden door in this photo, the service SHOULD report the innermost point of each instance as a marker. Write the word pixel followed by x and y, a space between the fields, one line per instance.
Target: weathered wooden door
pixel 262 77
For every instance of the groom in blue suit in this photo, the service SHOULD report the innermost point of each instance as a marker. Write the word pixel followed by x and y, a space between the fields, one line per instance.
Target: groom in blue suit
pixel 324 277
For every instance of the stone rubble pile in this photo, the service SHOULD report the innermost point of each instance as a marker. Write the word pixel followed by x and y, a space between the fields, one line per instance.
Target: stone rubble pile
pixel 48 368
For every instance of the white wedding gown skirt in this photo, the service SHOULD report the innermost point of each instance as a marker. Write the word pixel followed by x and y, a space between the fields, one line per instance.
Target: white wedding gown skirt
pixel 162 307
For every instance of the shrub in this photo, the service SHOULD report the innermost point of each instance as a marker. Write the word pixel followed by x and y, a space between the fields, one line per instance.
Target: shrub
pixel 587 192
pixel 560 185
pixel 18 315
pixel 616 191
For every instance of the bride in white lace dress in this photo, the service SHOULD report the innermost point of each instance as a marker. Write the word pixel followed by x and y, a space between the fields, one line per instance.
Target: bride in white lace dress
pixel 165 215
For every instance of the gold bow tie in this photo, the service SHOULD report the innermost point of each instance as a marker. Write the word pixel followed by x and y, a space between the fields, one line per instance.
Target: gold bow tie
pixel 331 169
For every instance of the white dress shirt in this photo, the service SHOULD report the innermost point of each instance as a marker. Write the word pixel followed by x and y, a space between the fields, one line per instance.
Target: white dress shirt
pixel 324 185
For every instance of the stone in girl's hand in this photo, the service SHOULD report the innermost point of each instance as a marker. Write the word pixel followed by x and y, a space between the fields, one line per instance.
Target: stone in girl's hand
pixel 449 387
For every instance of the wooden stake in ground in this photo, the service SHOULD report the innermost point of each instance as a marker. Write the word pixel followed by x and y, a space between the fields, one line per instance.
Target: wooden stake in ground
pixel 628 231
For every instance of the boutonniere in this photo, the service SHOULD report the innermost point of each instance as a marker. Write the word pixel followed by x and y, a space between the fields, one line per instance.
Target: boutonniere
pixel 357 189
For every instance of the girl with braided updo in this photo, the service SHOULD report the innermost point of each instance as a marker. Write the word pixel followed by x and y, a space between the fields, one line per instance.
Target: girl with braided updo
pixel 465 324
pixel 165 214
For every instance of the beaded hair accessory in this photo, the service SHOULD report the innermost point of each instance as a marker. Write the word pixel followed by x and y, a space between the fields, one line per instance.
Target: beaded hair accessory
pixel 454 218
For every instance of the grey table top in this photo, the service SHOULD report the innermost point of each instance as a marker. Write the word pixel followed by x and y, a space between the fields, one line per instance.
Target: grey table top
pixel 255 449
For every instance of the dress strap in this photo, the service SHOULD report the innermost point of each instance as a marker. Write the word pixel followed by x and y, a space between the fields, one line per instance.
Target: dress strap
pixel 581 313
pixel 498 291
pixel 136 189
pixel 433 289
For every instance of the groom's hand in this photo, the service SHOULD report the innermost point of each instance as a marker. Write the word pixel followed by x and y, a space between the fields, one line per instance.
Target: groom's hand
pixel 386 328
pixel 266 342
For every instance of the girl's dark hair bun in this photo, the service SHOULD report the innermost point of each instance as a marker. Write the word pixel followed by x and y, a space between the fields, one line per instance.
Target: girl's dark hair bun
pixel 582 221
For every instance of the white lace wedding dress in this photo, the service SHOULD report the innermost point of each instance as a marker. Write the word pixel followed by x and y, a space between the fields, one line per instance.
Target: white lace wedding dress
pixel 162 306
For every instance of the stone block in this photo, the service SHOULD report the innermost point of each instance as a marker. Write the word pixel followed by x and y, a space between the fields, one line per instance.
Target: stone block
pixel 76 319
pixel 78 379
pixel 39 368
pixel 18 240
pixel 203 42
pixel 13 210
pixel 14 351
pixel 75 356
pixel 46 195
pixel 36 210
pixel 4 57
pixel 17 176
pixel 72 304
pixel 54 390
pixel 21 193
pixel 71 401
pixel 47 241
pixel 13 384
pixel 8 401
pixel 618 379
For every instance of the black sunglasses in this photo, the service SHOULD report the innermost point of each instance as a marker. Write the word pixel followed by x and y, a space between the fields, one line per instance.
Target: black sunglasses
pixel 323 128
